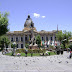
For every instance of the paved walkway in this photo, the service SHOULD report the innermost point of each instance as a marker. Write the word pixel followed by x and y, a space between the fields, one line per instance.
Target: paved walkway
pixel 56 63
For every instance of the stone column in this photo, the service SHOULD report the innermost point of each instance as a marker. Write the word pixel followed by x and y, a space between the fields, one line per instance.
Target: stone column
pixel 10 42
pixel 45 37
pixel 19 45
pixel 41 37
pixel 15 38
pixel 49 38
pixel 18 38
pixel 54 38
pixel 24 41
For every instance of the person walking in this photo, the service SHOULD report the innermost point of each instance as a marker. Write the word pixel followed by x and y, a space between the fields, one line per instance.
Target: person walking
pixel 70 54
pixel 31 53
pixel 26 53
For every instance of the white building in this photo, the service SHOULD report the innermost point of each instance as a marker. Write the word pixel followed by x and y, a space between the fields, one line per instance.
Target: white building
pixel 23 37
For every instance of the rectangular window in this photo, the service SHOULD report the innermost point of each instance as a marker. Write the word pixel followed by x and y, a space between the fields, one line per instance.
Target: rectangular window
pixel 22 39
pixel 30 37
pixel 17 45
pixel 55 38
pixel 25 38
pixel 12 39
pixel 42 38
pixel 51 38
pixel 16 38
pixel 21 45
pixel 46 38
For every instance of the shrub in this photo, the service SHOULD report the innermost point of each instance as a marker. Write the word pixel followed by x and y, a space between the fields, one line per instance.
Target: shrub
pixel 70 46
pixel 51 47
pixel 20 50
pixel 27 45
pixel 30 50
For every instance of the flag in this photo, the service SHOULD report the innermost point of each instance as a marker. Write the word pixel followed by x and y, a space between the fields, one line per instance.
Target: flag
pixel 41 43
pixel 52 43
pixel 55 43
pixel 49 42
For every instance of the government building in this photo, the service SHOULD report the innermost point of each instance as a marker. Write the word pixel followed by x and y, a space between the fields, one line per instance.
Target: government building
pixel 23 37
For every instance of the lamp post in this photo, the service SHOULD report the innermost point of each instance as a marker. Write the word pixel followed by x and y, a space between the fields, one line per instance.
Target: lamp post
pixel 14 44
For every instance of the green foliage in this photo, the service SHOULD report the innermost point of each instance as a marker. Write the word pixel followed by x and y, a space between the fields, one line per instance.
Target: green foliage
pixel 23 54
pixel 30 50
pixel 4 40
pixel 51 47
pixel 70 46
pixel 67 46
pixel 51 53
pixel 63 37
pixel 27 45
pixel 3 23
pixel 12 45
pixel 35 51
pixel 20 50
pixel 66 35
pixel 38 41
pixel 59 36
pixel 62 46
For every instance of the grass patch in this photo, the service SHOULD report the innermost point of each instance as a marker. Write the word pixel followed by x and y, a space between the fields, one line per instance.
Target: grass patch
pixel 10 54
pixel 34 54
pixel 51 53
pixel 29 54
pixel 23 54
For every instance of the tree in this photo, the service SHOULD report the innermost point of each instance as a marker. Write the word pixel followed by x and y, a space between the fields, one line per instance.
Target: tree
pixel 27 45
pixel 3 23
pixel 66 36
pixel 59 36
pixel 4 41
pixel 38 40
pixel 63 37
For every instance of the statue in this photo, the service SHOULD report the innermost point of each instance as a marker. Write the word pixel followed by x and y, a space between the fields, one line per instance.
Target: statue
pixel 33 44
pixel 29 23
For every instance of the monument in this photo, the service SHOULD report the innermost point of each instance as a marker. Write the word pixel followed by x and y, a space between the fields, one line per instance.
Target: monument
pixel 30 24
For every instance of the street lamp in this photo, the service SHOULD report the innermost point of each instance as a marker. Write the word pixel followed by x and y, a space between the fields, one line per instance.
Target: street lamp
pixel 14 44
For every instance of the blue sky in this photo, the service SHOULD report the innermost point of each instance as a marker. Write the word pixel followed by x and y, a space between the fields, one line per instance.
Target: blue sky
pixel 46 14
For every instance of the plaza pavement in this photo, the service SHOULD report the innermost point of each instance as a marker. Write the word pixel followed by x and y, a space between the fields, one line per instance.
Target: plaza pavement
pixel 56 63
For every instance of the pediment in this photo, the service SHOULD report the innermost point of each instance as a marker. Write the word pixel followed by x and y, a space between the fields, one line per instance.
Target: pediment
pixel 29 31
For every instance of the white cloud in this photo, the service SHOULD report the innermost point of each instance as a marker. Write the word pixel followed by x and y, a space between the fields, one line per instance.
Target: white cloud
pixel 43 16
pixel 36 15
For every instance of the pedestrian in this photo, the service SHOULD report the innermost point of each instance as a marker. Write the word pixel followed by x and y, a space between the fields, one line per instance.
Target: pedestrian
pixel 26 53
pixel 70 54
pixel 31 53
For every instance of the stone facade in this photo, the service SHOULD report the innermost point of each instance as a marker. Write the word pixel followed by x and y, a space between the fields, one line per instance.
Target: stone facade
pixel 23 37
